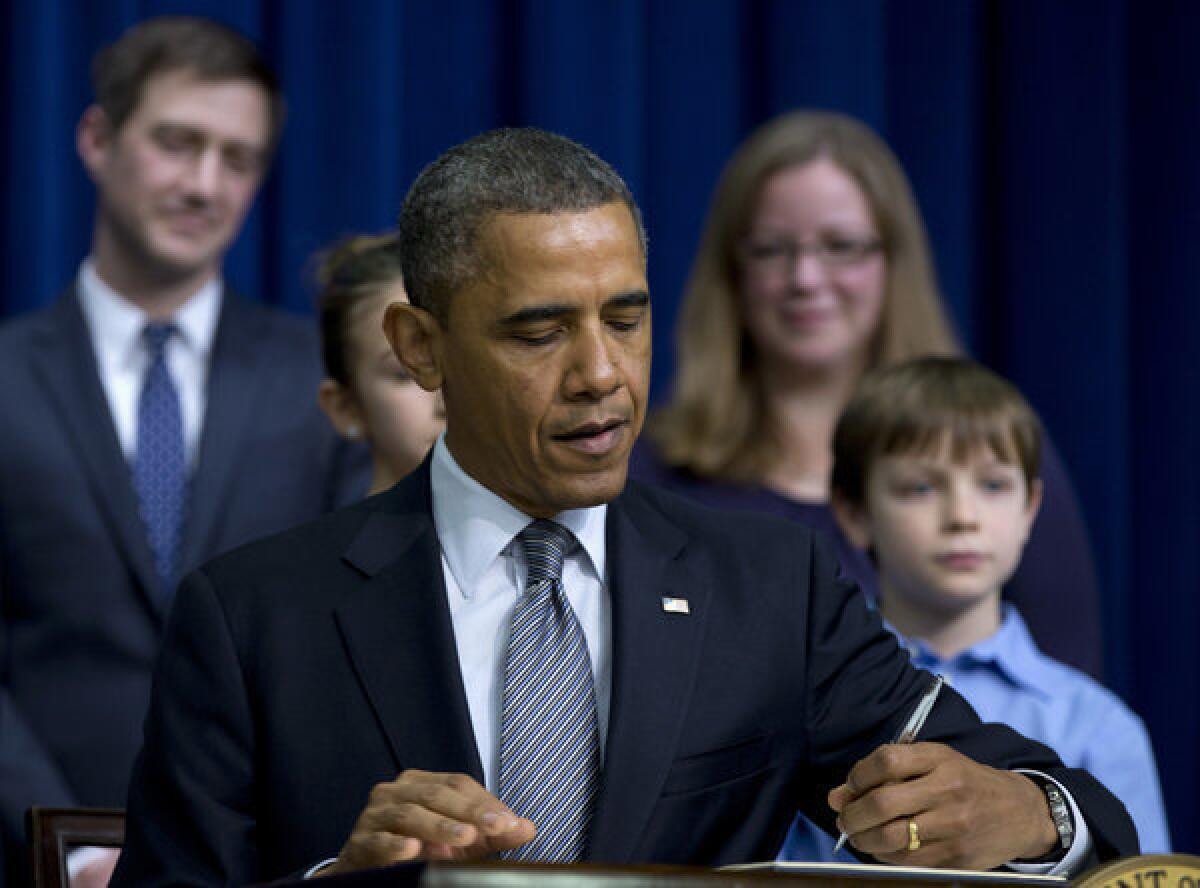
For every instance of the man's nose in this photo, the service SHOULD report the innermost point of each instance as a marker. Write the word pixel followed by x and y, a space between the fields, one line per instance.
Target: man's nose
pixel 202 178
pixel 593 372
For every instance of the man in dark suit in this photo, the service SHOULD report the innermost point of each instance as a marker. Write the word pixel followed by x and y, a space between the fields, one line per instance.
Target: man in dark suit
pixel 122 466
pixel 556 665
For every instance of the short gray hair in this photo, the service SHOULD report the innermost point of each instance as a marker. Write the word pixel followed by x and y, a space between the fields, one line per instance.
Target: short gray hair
pixel 500 171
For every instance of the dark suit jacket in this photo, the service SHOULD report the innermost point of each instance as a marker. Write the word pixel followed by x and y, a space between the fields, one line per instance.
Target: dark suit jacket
pixel 80 614
pixel 300 671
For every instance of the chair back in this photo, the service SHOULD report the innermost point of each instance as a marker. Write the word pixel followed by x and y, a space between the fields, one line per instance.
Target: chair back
pixel 54 832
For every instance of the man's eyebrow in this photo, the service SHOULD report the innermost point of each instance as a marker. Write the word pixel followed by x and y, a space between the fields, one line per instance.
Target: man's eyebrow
pixel 633 299
pixel 194 131
pixel 536 313
pixel 554 311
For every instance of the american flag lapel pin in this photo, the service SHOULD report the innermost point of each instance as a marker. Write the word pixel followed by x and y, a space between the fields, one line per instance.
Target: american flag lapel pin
pixel 675 605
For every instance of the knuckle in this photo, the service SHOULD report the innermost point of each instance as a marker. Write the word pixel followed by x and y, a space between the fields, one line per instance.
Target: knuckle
pixel 427 795
pixel 889 758
pixel 460 782
pixel 376 842
pixel 405 816
pixel 412 776
pixel 960 824
pixel 958 789
pixel 874 806
pixel 379 794
pixel 956 851
pixel 886 800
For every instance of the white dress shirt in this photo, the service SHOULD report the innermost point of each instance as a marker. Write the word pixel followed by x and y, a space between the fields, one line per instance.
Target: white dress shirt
pixel 115 326
pixel 484 566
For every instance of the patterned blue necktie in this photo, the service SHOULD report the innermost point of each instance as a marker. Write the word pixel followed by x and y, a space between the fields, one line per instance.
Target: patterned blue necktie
pixel 159 465
pixel 549 740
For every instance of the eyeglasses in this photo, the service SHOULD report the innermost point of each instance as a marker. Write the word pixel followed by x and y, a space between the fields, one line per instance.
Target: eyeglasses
pixel 777 257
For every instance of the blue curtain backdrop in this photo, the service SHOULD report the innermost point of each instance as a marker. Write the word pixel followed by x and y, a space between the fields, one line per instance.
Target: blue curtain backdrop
pixel 1053 148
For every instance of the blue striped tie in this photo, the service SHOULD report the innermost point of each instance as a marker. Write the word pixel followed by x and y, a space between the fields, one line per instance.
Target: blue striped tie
pixel 549 740
pixel 159 465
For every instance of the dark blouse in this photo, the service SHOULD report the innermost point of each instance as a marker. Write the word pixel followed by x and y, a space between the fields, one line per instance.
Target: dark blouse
pixel 1055 587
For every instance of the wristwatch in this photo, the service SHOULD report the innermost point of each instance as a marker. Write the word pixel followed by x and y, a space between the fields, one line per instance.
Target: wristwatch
pixel 1060 812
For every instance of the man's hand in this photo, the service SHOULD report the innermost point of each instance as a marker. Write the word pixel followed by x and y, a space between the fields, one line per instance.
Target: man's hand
pixel 426 816
pixel 968 815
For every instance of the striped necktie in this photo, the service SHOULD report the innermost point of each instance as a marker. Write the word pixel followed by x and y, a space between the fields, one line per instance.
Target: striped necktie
pixel 549 739
pixel 159 464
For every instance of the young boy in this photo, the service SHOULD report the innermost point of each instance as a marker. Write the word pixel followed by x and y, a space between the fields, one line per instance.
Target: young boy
pixel 936 476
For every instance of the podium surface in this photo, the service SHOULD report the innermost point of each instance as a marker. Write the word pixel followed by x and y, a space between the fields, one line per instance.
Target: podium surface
pixel 1147 871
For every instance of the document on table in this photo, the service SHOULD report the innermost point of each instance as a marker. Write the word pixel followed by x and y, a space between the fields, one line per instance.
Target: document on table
pixel 899 873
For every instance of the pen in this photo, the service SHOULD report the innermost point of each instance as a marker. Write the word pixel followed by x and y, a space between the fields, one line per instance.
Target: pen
pixel 908 734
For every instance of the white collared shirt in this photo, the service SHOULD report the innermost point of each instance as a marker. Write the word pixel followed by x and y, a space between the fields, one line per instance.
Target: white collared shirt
pixel 484 567
pixel 115 326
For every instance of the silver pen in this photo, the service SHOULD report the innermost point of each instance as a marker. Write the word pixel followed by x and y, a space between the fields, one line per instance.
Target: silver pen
pixel 908 734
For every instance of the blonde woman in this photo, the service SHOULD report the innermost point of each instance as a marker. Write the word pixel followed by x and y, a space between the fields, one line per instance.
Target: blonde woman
pixel 813 268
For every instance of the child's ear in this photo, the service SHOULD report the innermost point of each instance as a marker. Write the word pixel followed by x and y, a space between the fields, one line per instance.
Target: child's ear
pixel 1032 504
pixel 852 519
pixel 340 405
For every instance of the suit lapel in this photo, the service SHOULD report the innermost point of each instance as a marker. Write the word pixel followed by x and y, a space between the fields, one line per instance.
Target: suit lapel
pixel 654 658
pixel 66 364
pixel 400 639
pixel 233 385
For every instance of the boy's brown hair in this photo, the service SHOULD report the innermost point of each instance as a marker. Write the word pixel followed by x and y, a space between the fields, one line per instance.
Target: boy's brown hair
pixel 914 406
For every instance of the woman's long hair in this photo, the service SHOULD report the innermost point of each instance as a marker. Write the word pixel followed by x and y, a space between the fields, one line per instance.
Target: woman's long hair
pixel 715 424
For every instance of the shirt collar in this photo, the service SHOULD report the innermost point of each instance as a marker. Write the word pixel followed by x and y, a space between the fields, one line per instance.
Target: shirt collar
pixel 1010 651
pixel 475 526
pixel 116 323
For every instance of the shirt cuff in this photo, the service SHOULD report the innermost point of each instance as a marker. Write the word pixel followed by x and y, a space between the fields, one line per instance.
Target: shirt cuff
pixel 1081 845
pixel 316 870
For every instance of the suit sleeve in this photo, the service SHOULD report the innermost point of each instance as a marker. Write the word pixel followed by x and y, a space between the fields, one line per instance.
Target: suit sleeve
pixel 190 814
pixel 861 688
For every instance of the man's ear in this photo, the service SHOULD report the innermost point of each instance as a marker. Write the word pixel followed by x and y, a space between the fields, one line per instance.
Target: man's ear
pixel 93 139
pixel 340 405
pixel 852 519
pixel 416 338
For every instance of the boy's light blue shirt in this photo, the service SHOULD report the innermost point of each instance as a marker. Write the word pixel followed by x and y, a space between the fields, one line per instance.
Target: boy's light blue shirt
pixel 1007 679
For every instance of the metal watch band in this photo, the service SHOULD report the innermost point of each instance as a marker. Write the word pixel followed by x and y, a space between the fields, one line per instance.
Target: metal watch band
pixel 1060 813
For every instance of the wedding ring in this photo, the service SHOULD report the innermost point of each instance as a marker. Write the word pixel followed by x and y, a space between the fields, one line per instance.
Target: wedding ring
pixel 914 840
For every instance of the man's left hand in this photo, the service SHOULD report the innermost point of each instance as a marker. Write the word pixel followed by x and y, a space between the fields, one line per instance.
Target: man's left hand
pixel 967 815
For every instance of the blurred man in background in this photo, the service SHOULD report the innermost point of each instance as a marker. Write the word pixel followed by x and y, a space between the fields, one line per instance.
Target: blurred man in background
pixel 153 418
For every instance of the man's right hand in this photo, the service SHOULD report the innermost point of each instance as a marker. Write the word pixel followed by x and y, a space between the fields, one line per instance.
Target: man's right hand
pixel 430 816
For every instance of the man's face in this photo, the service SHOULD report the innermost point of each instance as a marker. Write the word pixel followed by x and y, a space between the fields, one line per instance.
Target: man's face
pixel 545 359
pixel 176 180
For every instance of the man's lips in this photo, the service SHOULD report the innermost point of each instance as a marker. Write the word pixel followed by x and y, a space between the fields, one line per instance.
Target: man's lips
pixel 593 437
pixel 189 222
